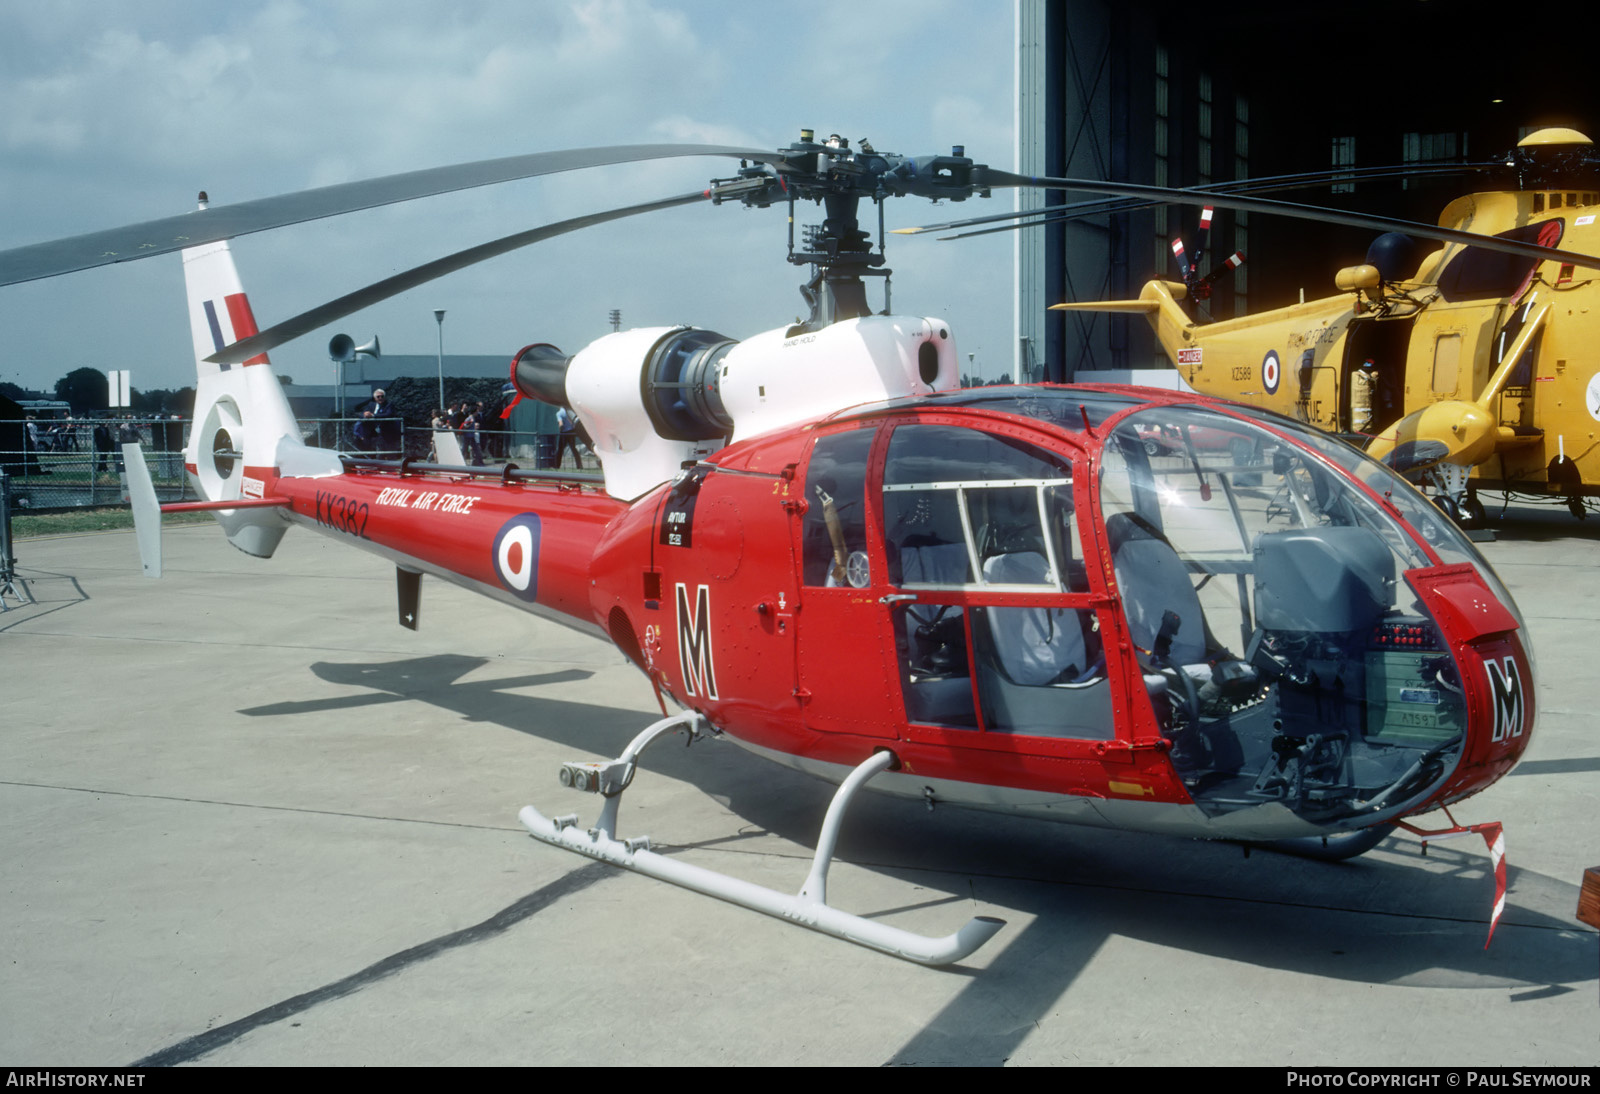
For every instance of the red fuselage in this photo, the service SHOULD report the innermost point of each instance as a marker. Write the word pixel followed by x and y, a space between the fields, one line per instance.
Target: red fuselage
pixel 722 589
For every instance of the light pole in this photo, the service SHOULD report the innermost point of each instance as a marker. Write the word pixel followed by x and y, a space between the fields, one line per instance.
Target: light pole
pixel 438 313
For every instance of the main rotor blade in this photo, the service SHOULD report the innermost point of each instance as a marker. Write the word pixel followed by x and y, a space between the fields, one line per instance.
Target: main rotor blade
pixel 349 304
pixel 155 237
pixel 1301 212
pixel 1267 184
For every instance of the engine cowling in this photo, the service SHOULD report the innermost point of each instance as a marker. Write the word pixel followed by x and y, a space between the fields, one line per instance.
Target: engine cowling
pixel 656 398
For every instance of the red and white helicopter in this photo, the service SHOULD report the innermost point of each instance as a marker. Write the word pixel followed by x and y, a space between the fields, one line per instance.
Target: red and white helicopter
pixel 1265 637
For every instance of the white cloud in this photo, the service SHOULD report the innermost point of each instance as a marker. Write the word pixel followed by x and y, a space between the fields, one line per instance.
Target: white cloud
pixel 117 114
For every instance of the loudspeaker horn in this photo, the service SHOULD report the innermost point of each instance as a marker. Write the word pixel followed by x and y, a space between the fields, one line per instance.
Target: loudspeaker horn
pixel 341 347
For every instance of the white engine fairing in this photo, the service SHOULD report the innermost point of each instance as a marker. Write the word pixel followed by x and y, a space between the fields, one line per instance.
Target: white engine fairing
pixel 765 383
pixel 771 381
pixel 603 386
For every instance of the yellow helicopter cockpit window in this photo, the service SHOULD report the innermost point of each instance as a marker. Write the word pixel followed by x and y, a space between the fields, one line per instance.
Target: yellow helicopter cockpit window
pixel 1475 274
pixel 1264 593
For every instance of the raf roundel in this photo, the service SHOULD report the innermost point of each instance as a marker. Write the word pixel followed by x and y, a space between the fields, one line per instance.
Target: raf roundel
pixel 1271 371
pixel 516 555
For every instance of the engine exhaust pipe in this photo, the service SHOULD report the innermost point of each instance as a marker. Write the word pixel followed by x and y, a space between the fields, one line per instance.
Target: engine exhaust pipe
pixel 539 371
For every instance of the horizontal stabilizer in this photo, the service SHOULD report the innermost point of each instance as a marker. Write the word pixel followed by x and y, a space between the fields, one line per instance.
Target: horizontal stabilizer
pixel 231 503
pixel 1132 307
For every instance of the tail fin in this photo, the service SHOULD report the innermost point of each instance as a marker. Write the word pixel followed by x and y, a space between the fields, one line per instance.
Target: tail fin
pixel 244 434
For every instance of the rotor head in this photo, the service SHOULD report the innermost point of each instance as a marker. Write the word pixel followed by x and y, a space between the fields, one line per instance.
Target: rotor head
pixel 837 176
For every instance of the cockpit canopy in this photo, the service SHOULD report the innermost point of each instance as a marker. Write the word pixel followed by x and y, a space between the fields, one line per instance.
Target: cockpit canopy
pixel 1260 570
pixel 1289 660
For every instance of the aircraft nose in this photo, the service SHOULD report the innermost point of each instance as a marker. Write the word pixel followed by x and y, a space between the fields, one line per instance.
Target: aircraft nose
pixel 1453 431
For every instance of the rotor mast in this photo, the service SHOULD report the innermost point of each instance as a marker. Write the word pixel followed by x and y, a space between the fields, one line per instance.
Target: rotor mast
pixel 839 252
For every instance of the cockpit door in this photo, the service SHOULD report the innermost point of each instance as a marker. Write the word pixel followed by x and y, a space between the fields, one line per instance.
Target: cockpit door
pixel 993 626
pixel 843 646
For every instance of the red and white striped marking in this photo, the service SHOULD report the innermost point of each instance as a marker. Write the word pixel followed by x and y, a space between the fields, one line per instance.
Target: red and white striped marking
pixel 1494 835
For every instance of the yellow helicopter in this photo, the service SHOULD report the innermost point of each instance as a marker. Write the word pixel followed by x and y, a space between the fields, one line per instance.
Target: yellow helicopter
pixel 1462 367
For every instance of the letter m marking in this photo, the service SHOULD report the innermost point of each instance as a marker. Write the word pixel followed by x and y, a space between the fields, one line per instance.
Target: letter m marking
pixel 694 642
pixel 1505 695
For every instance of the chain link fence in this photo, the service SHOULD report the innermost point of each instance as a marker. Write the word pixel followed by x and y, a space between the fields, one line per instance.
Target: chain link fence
pixel 80 465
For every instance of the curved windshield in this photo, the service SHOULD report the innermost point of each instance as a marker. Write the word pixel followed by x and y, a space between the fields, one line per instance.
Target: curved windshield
pixel 1448 541
pixel 1288 660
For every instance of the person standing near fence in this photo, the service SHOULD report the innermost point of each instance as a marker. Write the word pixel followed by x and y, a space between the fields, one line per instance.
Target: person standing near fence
pixel 472 434
pixel 30 448
pixel 102 445
pixel 167 437
pixel 567 429
pixel 362 431
pixel 127 433
pixel 386 424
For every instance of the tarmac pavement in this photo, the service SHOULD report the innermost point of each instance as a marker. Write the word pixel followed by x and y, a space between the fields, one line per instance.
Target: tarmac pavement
pixel 251 820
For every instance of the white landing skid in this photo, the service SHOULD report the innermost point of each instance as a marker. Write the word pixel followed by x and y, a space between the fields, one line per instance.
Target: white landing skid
pixel 808 908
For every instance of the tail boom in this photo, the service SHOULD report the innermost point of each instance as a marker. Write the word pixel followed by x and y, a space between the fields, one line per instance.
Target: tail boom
pixel 530 545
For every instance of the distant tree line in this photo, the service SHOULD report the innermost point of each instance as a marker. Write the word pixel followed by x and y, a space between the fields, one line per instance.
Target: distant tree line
pixel 87 392
pixel 978 381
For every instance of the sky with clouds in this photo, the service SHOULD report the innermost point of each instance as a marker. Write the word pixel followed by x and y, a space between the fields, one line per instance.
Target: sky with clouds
pixel 118 113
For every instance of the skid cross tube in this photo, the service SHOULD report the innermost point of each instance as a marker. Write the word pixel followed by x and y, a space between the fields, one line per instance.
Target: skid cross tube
pixel 808 908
